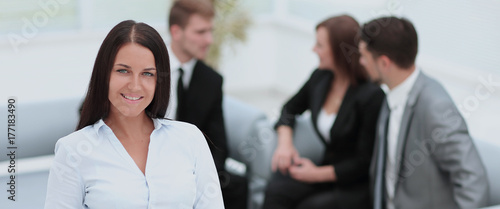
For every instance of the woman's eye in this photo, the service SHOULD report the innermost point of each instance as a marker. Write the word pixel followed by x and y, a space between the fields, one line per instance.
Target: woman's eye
pixel 121 71
pixel 149 74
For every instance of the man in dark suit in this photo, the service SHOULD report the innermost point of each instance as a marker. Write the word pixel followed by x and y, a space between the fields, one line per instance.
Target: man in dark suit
pixel 424 156
pixel 197 88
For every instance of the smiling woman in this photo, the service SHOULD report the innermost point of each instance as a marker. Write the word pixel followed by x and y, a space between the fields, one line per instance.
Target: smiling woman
pixel 132 81
pixel 124 154
pixel 118 55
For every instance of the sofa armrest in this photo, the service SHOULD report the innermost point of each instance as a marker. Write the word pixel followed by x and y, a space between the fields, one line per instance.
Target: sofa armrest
pixel 489 153
pixel 251 140
pixel 30 180
pixel 40 124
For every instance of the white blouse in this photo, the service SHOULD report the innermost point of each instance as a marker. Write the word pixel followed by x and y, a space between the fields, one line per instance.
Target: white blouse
pixel 92 169
pixel 325 123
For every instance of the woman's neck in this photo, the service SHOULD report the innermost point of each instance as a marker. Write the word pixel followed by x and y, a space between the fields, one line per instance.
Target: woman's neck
pixel 340 80
pixel 130 127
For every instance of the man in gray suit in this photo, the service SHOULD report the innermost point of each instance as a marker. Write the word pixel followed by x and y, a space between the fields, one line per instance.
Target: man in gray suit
pixel 424 156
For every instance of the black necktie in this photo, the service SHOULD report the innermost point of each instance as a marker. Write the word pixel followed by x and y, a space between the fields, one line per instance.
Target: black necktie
pixel 379 196
pixel 180 93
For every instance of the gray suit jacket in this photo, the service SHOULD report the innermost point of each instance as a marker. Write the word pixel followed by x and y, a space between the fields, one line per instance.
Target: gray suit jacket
pixel 438 165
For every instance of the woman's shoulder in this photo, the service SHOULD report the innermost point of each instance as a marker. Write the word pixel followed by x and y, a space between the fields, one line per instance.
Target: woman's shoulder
pixel 368 88
pixel 184 132
pixel 76 138
pixel 366 91
pixel 176 124
pixel 319 74
pixel 179 126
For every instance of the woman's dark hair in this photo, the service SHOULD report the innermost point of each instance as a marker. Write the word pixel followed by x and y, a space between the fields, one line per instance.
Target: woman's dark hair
pixel 96 104
pixel 342 35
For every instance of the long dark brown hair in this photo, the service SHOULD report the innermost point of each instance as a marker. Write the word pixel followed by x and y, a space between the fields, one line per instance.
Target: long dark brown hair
pixel 96 104
pixel 343 38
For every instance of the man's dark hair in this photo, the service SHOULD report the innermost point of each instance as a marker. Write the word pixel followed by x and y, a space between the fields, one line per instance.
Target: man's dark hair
pixel 393 37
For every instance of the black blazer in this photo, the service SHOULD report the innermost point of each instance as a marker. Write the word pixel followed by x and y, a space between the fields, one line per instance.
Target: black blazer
pixel 353 132
pixel 202 106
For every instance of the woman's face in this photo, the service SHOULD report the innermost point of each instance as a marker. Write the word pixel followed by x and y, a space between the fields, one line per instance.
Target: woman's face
pixel 132 81
pixel 323 50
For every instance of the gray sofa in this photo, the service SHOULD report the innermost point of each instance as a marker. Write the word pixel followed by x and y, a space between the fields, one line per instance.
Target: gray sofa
pixel 38 126
pixel 249 132
pixel 308 145
pixel 251 141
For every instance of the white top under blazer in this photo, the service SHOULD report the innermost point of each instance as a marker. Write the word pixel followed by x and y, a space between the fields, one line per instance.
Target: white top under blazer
pixel 92 169
pixel 325 124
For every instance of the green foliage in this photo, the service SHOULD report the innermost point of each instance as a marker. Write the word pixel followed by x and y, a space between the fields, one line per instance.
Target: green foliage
pixel 230 26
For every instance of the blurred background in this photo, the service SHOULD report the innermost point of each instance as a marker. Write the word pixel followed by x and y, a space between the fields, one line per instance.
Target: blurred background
pixel 48 47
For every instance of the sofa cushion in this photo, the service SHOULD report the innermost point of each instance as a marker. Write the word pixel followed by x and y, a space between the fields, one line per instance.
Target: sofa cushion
pixel 40 124
pixel 489 153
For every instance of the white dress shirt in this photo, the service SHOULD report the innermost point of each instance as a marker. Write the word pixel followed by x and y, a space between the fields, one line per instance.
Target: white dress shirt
pixel 188 68
pixel 325 123
pixel 396 99
pixel 92 169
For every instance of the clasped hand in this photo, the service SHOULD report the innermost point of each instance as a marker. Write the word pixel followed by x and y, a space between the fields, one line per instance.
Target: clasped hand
pixel 286 159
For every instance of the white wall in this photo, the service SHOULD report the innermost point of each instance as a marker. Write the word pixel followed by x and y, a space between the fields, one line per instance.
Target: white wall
pixel 278 58
pixel 457 47
pixel 275 56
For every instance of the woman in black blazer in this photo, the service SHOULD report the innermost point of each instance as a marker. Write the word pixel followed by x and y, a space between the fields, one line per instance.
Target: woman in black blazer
pixel 344 107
